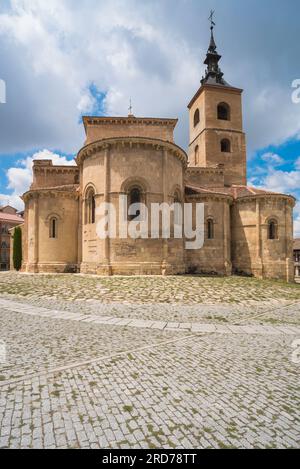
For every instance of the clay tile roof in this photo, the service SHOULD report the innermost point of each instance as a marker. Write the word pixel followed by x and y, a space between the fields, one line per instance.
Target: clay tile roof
pixel 297 244
pixel 236 192
pixel 7 217
pixel 247 191
pixel 207 190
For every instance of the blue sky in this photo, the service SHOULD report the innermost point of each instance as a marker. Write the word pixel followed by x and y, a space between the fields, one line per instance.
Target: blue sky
pixel 64 58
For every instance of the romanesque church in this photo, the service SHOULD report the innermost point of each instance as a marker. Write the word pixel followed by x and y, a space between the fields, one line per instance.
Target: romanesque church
pixel 247 231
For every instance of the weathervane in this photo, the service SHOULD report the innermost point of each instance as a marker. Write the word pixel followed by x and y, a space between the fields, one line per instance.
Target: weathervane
pixel 130 108
pixel 211 19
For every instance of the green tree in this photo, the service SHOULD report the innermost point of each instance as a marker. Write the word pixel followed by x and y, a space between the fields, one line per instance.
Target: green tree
pixel 17 246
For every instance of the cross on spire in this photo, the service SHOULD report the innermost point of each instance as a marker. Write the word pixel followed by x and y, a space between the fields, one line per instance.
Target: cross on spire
pixel 130 108
pixel 211 19
pixel 213 74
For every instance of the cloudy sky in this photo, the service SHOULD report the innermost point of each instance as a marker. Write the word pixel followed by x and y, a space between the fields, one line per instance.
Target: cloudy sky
pixel 64 58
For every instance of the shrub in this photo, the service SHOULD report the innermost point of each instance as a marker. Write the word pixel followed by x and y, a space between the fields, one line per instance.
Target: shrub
pixel 17 249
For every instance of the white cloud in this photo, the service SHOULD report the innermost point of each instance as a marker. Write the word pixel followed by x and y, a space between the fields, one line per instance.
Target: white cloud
pixel 271 117
pixel 297 163
pixel 282 181
pixel 13 200
pixel 272 159
pixel 20 178
pixel 51 57
pixel 86 103
pixel 52 51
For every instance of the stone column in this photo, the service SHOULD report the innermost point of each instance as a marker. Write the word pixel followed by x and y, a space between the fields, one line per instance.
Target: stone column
pixel 80 223
pixel 259 247
pixel 165 200
pixel 107 200
pixel 35 260
pixel 290 271
pixel 227 240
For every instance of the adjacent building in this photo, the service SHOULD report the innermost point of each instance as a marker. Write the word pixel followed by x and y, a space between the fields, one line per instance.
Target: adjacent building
pixel 297 257
pixel 247 231
pixel 9 218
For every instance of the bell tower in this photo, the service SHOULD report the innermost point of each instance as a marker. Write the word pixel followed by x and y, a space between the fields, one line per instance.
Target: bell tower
pixel 216 122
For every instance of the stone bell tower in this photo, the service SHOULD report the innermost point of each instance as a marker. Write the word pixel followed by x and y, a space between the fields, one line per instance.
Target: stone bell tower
pixel 216 123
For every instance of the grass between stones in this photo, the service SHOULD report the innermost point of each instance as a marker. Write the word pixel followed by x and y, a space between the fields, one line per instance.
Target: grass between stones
pixel 143 290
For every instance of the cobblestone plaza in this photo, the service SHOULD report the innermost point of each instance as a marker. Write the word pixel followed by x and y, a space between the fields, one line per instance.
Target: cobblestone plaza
pixel 148 362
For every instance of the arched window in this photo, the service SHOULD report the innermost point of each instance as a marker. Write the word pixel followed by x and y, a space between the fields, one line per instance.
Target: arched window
pixel 135 197
pixel 53 228
pixel 4 245
pixel 210 229
pixel 224 112
pixel 93 210
pixel 196 117
pixel 177 197
pixel 225 145
pixel 197 155
pixel 90 207
pixel 272 229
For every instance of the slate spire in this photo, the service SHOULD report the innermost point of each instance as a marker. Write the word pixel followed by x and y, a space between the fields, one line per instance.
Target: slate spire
pixel 213 73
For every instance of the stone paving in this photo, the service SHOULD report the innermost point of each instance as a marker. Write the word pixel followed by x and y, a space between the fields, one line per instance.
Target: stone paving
pixel 75 376
pixel 187 290
pixel 150 324
pixel 44 293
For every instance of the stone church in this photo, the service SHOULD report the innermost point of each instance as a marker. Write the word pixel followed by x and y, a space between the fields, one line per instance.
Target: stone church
pixel 247 231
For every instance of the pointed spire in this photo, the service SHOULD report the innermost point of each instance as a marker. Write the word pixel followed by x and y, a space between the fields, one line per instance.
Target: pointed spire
pixel 213 74
pixel 212 46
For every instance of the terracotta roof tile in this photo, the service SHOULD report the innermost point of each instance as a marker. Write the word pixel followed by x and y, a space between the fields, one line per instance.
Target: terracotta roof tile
pixel 7 217
pixel 235 191
pixel 206 190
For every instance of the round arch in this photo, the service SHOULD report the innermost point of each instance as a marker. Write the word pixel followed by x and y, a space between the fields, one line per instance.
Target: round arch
pixel 196 117
pixel 90 186
pixel 272 228
pixel 135 182
pixel 223 111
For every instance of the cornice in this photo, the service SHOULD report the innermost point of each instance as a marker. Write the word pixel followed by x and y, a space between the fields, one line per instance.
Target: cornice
pixel 210 196
pixel 289 198
pixel 216 129
pixel 228 89
pixel 56 169
pixel 94 120
pixel 131 142
pixel 54 192
pixel 204 170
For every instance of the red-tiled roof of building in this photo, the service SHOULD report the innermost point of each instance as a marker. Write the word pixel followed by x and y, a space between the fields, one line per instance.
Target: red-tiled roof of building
pixel 236 192
pixel 247 191
pixel 7 217
pixel 207 190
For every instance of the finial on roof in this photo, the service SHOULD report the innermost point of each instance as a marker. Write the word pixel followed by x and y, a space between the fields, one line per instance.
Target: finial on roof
pixel 211 19
pixel 130 109
pixel 213 74
pixel 212 45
